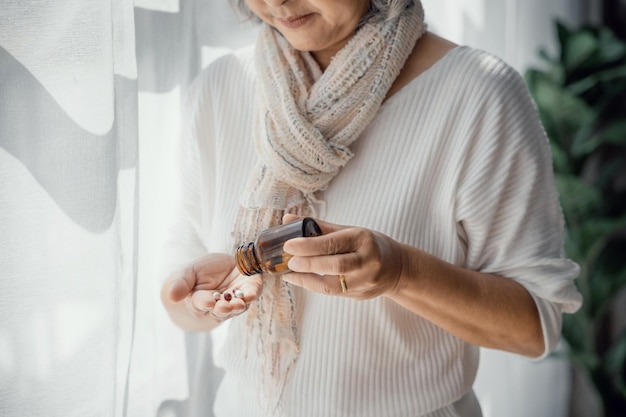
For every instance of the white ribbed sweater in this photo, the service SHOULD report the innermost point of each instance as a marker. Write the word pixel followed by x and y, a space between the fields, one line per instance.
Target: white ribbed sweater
pixel 456 163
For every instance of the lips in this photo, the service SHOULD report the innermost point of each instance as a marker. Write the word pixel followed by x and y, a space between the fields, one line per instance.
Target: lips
pixel 294 22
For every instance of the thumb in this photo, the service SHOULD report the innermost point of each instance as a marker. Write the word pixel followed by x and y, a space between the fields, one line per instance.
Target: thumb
pixel 288 217
pixel 181 287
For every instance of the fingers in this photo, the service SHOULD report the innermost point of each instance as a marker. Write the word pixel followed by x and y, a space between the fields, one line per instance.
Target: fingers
pixel 200 302
pixel 211 271
pixel 229 307
pixel 370 262
pixel 323 284
pixel 212 287
pixel 220 305
pixel 327 264
pixel 339 252
pixel 207 272
pixel 341 240
pixel 229 299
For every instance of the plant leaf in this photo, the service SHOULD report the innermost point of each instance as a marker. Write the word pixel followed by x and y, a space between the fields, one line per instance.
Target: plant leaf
pixel 611 48
pixel 576 331
pixel 615 363
pixel 578 48
pixel 535 80
pixel 603 287
pixel 614 133
pixel 563 33
pixel 580 200
pixel 572 243
pixel 615 359
pixel 595 230
pixel 560 161
pixel 543 54
pixel 606 268
pixel 607 76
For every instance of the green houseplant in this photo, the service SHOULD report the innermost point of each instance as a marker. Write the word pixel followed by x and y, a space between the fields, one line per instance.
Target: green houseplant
pixel 581 99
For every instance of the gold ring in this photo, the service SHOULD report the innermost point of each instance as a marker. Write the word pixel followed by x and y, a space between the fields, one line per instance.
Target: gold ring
pixel 342 281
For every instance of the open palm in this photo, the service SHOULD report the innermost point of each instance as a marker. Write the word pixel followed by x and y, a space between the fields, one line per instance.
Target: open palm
pixel 208 286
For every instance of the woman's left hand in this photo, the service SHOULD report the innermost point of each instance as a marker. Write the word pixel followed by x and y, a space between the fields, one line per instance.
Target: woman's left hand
pixel 477 307
pixel 370 263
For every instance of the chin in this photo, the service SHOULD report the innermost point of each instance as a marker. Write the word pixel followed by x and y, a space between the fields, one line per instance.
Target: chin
pixel 301 43
pixel 303 46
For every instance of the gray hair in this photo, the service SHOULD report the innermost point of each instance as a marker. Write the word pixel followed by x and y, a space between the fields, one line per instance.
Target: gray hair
pixel 379 9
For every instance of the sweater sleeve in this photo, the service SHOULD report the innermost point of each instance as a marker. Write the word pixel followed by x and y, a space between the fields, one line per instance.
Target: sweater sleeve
pixel 189 215
pixel 507 204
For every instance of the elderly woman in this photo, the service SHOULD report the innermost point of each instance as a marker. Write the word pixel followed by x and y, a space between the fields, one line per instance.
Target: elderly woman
pixel 430 174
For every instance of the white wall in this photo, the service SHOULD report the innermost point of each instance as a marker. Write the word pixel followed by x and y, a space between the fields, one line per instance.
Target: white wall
pixel 514 30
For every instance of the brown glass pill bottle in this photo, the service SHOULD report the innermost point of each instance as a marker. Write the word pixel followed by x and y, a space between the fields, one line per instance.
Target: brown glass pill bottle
pixel 266 253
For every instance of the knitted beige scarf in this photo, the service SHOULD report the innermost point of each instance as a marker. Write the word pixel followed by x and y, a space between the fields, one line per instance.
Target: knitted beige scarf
pixel 305 122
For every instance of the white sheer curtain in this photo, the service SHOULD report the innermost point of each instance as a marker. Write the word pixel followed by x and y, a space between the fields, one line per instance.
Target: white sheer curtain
pixel 68 170
pixel 175 41
pixel 90 96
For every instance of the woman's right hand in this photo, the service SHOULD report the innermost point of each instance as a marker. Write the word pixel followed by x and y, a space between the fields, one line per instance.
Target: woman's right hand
pixel 198 286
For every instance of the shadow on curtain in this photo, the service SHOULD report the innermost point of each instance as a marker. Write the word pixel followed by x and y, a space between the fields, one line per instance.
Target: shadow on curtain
pixel 68 178
pixel 174 42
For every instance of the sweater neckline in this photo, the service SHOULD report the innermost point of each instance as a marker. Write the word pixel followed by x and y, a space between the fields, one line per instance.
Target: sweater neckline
pixel 424 74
